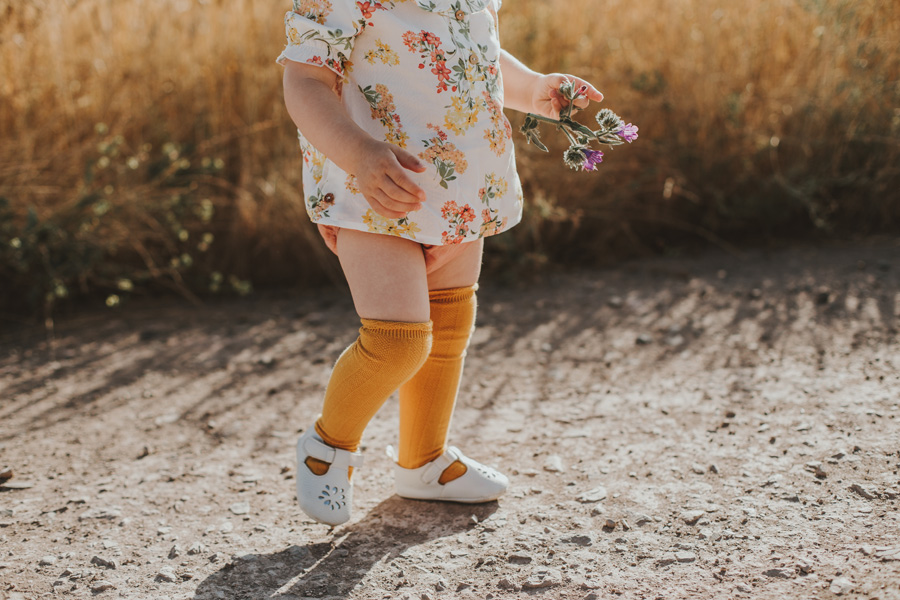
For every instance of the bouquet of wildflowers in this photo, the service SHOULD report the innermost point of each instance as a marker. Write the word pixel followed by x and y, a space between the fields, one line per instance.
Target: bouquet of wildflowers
pixel 579 155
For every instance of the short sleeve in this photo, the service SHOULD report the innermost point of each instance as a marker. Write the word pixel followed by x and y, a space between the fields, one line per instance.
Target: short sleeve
pixel 322 33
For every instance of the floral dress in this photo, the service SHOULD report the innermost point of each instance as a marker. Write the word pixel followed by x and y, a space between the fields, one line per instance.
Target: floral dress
pixel 424 75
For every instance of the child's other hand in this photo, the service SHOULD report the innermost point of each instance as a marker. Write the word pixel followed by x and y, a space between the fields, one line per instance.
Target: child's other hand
pixel 548 102
pixel 381 177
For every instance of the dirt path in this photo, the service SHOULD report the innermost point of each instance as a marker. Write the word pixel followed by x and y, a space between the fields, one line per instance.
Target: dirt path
pixel 712 428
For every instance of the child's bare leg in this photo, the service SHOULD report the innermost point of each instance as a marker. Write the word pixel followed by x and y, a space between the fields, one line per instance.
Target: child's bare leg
pixel 386 276
pixel 390 292
pixel 427 400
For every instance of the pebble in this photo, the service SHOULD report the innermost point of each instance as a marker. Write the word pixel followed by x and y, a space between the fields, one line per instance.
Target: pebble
pixel 542 579
pixel 698 469
pixel 166 574
pixel 554 464
pixel 240 508
pixel 197 548
pixel 579 540
pixel 519 559
pixel 101 513
pixel 595 495
pixel 779 573
pixel 592 596
pixel 174 552
pixel 102 586
pixel 841 585
pixel 47 561
pixel 667 559
pixel 691 517
pixel 641 519
pixel 685 557
pixel 615 301
pixel 103 562
pixel 706 533
pixel 866 491
pixel 609 524
pixel 644 339
pixel 888 553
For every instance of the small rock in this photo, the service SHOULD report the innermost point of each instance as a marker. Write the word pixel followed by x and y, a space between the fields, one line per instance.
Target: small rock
pixel 507 584
pixel 644 339
pixel 698 469
pixel 804 566
pixel 690 517
pixel 240 508
pixel 595 495
pixel 578 540
pixel 47 561
pixel 744 589
pixel 609 524
pixel 542 580
pixel 174 552
pixel 685 557
pixel 102 586
pixel 779 573
pixel 554 464
pixel 615 301
pixel 519 558
pixel 101 513
pixel 888 553
pixel 641 519
pixel 592 596
pixel 803 427
pixel 166 574
pixel 713 469
pixel 440 585
pixel 868 492
pixel 667 559
pixel 227 527
pixel 200 548
pixel 102 562
pixel 867 550
pixel 841 585
pixel 705 533
pixel 425 596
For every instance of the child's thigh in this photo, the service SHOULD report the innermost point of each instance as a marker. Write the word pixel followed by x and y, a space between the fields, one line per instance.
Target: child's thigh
pixel 457 266
pixel 386 276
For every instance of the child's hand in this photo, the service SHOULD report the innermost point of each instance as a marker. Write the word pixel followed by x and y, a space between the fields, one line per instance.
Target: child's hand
pixel 381 177
pixel 547 101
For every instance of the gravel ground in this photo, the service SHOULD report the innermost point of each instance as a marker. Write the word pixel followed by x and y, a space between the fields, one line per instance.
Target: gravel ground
pixel 718 427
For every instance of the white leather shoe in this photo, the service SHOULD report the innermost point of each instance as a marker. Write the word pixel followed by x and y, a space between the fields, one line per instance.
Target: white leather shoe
pixel 478 484
pixel 326 498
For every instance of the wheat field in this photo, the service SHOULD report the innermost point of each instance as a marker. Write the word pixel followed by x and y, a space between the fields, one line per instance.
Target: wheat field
pixel 144 143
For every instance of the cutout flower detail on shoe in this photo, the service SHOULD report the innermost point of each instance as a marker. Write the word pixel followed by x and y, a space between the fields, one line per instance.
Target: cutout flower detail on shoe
pixel 334 497
pixel 487 471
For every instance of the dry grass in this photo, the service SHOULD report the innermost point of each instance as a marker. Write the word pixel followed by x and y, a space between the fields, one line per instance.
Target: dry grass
pixel 117 119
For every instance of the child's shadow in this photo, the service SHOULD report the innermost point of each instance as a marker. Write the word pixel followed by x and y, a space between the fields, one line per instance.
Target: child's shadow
pixel 335 567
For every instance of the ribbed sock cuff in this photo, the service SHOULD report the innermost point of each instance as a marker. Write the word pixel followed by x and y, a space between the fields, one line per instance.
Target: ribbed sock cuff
pixel 399 329
pixel 452 295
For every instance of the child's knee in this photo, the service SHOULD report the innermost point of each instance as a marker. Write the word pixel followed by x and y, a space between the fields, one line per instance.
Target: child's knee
pixel 402 347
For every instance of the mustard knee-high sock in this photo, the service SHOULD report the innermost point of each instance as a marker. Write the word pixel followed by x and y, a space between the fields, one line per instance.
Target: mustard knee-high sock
pixel 385 355
pixel 427 400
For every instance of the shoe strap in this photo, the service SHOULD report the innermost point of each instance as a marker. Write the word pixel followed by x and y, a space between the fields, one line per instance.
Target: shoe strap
pixel 325 453
pixel 436 468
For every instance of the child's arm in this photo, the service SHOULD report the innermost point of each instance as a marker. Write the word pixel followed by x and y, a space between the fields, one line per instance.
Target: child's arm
pixel 527 91
pixel 379 167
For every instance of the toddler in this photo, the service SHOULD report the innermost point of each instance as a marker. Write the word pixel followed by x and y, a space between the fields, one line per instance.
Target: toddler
pixel 408 164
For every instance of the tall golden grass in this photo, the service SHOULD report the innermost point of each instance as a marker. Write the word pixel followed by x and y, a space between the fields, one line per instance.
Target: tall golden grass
pixel 123 122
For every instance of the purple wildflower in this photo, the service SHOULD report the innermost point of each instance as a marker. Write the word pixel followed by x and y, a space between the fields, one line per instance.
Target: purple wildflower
pixel 591 159
pixel 629 133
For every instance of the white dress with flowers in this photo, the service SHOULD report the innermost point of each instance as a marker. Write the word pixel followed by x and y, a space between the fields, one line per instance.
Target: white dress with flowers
pixel 424 75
